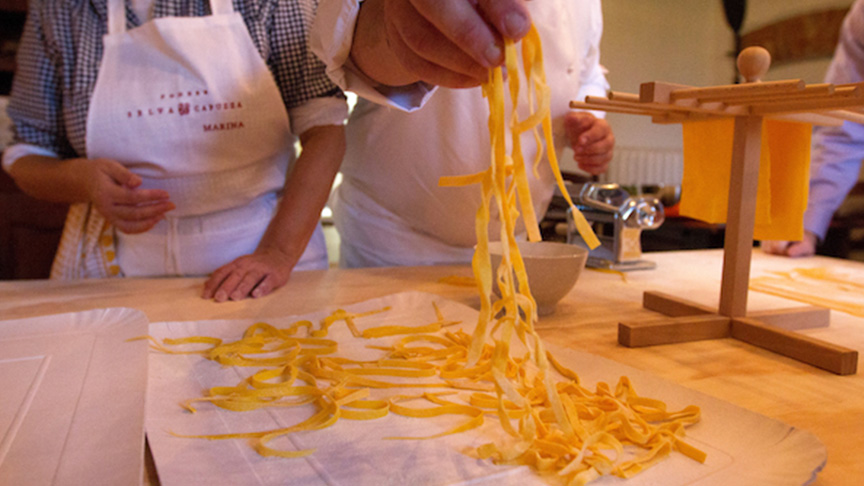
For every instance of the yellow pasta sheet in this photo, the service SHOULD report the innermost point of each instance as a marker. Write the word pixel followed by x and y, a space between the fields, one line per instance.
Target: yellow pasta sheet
pixel 783 175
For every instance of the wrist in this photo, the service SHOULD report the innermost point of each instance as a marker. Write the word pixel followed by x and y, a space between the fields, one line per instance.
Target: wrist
pixel 85 177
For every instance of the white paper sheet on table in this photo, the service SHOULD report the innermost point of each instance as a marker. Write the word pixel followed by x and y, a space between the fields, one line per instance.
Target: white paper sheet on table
pixel 743 447
pixel 73 394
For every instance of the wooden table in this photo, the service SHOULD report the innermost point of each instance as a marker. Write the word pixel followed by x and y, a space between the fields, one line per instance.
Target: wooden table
pixel 828 405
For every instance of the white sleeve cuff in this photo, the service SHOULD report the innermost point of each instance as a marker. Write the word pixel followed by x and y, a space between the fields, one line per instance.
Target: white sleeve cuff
pixel 318 112
pixel 331 39
pixel 15 152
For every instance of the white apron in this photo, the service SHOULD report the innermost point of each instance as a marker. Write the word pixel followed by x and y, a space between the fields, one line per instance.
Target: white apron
pixel 389 209
pixel 188 104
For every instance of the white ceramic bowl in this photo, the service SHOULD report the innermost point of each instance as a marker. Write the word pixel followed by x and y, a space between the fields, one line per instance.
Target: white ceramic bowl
pixel 553 269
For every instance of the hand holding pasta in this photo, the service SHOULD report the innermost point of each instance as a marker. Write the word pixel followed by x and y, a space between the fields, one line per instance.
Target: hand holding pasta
pixel 450 43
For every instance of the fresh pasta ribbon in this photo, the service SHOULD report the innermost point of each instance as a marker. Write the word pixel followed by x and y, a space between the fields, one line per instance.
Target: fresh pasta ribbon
pixel 553 424
pixel 512 389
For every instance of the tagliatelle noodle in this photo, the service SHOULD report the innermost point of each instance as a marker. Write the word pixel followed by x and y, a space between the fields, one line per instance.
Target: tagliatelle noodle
pixel 556 427
pixel 601 419
pixel 517 308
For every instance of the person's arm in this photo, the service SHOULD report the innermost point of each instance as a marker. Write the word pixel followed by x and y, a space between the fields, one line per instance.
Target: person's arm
pixel 449 43
pixel 837 151
pixel 306 190
pixel 396 43
pixel 108 185
pixel 42 161
pixel 588 133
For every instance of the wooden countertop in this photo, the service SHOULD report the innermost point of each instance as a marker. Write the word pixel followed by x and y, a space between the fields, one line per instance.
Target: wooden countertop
pixel 828 405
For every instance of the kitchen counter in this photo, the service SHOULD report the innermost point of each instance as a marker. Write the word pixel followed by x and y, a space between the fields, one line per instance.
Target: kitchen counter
pixel 828 405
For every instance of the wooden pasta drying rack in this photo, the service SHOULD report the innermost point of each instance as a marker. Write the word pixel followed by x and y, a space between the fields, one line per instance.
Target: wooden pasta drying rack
pixel 748 103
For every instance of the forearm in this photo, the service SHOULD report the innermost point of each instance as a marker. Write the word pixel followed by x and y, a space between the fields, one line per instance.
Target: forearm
pixel 307 188
pixel 834 168
pixel 371 53
pixel 52 179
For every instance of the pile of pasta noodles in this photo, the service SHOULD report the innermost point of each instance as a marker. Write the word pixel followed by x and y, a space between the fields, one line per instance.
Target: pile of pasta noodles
pixel 553 423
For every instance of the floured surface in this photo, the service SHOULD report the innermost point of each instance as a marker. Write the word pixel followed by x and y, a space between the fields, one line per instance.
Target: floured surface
pixel 73 393
pixel 742 447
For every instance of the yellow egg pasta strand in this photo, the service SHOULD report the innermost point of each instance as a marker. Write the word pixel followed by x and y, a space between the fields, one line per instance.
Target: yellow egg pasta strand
pixel 554 424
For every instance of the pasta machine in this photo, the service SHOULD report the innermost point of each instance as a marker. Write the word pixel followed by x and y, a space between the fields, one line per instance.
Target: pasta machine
pixel 618 219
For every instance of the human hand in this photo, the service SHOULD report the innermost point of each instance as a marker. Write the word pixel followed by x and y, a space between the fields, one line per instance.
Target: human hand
pixel 591 139
pixel 453 43
pixel 795 249
pixel 254 275
pixel 113 191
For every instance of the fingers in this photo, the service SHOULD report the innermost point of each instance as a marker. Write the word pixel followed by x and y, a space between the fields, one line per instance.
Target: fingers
pixel 774 247
pixel 510 17
pixel 115 195
pixel 463 24
pixel 804 248
pixel 215 281
pixel 135 227
pixel 425 51
pixel 800 249
pixel 133 213
pixel 248 276
pixel 453 43
pixel 225 283
pixel 238 285
pixel 793 249
pixel 592 141
pixel 267 285
pixel 594 164
pixel 118 173
pixel 138 219
pixel 135 197
pixel 142 212
pixel 576 122
pixel 455 70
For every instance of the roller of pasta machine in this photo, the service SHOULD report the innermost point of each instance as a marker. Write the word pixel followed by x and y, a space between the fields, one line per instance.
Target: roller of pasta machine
pixel 618 220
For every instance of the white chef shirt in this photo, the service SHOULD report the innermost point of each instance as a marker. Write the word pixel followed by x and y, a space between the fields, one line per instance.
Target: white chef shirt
pixel 389 209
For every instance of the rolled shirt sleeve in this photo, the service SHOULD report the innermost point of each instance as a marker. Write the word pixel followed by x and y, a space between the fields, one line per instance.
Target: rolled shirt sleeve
pixel 331 39
pixel 15 152
pixel 318 112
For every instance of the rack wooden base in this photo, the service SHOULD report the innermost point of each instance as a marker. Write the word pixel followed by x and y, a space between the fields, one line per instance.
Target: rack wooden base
pixel 772 330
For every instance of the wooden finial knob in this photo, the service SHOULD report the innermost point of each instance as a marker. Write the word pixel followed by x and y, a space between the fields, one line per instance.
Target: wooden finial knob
pixel 753 63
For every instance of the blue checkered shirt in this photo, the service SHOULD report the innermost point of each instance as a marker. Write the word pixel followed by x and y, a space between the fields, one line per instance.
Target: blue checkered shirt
pixel 61 49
